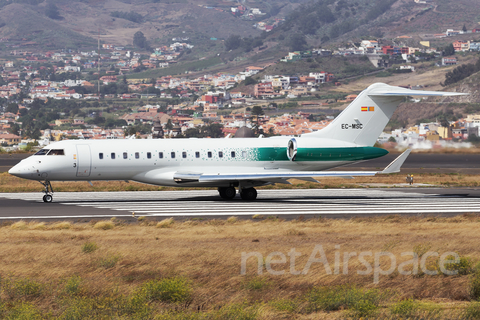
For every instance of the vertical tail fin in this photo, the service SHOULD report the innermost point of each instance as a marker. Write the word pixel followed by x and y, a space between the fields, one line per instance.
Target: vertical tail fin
pixel 364 119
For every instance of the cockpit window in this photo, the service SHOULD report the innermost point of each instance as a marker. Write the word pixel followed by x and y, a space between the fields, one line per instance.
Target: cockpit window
pixel 56 152
pixel 42 152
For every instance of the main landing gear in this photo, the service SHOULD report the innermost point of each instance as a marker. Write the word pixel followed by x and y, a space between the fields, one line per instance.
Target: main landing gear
pixel 248 194
pixel 48 191
pixel 229 193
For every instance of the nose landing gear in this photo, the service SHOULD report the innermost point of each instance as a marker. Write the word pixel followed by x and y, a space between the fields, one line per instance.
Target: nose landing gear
pixel 48 191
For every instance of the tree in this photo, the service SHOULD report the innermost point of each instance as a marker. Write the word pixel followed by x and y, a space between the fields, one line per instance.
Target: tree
pixel 139 40
pixel 52 12
pixel 473 138
pixel 392 139
pixel 169 125
pixel 449 50
pixel 14 128
pixel 257 111
pixel 249 81
pixel 213 130
pixel 12 107
pixel 233 42
pixel 464 29
pixel 297 42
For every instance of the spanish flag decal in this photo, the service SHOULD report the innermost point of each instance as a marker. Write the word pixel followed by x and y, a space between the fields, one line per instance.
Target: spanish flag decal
pixel 368 109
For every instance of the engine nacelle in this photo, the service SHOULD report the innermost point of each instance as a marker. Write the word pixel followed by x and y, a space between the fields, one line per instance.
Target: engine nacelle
pixel 292 149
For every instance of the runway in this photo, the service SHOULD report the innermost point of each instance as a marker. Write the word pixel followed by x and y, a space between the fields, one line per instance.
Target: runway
pixel 284 203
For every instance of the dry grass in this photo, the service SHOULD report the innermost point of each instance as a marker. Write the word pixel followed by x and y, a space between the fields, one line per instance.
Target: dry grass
pixel 104 225
pixel 206 257
pixel 165 223
pixel 10 183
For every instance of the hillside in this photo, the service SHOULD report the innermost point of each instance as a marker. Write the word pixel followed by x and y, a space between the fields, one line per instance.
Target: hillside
pixel 25 22
pixel 322 22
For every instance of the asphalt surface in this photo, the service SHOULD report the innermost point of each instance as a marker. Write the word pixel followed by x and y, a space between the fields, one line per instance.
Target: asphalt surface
pixel 206 204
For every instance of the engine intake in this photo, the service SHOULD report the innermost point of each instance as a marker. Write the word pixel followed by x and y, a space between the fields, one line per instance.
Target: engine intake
pixel 292 149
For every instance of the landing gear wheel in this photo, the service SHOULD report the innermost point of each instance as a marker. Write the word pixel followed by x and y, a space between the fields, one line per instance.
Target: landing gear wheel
pixel 230 193
pixel 227 193
pixel 248 194
pixel 48 191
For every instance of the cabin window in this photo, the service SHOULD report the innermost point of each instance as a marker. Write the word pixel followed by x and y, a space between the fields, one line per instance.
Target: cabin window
pixel 125 155
pixel 56 152
pixel 232 154
pixel 160 155
pixel 149 155
pixel 220 154
pixel 112 155
pixel 137 155
pixel 42 152
pixel 197 154
pixel 209 154
pixel 100 155
pixel 172 154
pixel 244 154
pixel 184 154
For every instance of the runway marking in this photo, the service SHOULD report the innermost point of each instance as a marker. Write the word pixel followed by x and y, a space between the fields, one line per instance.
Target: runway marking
pixel 270 202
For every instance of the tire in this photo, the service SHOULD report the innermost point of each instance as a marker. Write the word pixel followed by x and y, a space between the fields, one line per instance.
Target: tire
pixel 230 193
pixel 47 198
pixel 249 194
pixel 221 191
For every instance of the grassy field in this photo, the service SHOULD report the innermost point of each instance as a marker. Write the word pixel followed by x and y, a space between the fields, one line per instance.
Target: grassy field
pixel 193 269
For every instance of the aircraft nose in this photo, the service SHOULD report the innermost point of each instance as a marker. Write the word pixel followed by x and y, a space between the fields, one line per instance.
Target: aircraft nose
pixel 15 170
pixel 20 171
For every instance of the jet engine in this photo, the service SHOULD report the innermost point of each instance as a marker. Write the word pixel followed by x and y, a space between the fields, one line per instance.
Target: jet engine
pixel 292 149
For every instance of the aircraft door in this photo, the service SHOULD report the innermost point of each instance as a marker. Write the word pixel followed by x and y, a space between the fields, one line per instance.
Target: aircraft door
pixel 84 160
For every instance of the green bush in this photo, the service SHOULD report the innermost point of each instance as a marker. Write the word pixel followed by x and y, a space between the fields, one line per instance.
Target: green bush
pixel 405 308
pixel 109 261
pixel 361 302
pixel 22 288
pixel 463 266
pixel 72 285
pixel 23 311
pixel 235 312
pixel 472 311
pixel 411 309
pixel 256 284
pixel 89 247
pixel 474 286
pixel 286 305
pixel 168 290
pixel 110 307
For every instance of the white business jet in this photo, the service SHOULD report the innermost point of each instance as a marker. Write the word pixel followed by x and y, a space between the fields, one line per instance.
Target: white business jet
pixel 228 164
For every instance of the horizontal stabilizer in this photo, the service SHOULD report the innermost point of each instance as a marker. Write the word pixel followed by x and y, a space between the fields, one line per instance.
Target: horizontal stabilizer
pixel 390 91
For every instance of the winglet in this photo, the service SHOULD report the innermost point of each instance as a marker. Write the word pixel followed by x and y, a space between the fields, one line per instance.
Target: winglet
pixel 395 165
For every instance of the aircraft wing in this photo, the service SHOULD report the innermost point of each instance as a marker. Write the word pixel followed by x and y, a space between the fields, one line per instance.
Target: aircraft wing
pixel 276 177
